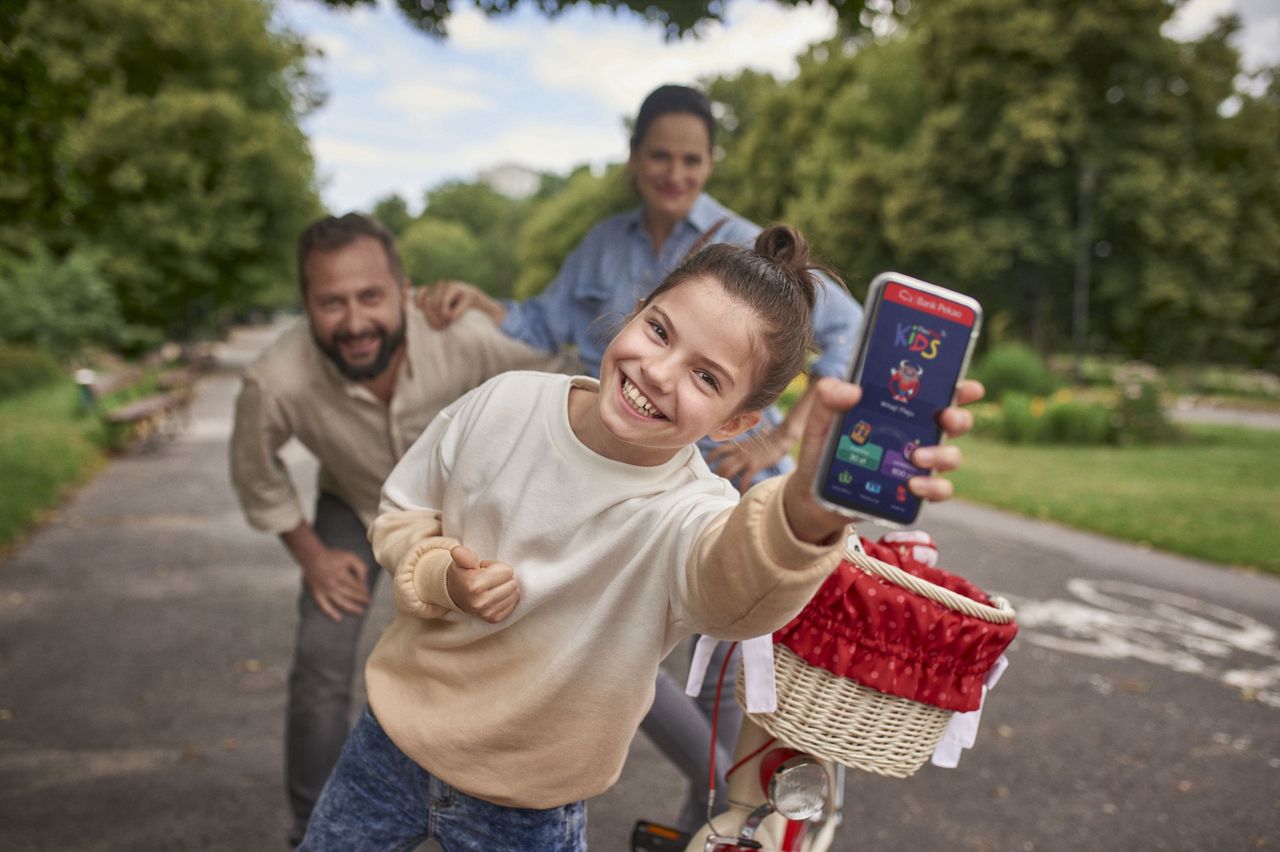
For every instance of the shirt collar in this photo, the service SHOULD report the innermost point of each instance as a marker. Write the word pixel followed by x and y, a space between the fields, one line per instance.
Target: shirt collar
pixel 705 213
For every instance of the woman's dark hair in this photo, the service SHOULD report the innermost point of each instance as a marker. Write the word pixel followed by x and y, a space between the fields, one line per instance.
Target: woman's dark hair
pixel 668 99
pixel 777 281
pixel 331 233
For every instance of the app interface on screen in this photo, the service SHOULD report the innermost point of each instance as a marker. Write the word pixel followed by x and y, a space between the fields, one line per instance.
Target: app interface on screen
pixel 914 360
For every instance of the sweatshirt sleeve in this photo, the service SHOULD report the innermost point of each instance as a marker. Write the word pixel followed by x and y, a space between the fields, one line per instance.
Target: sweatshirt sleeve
pixel 748 574
pixel 406 535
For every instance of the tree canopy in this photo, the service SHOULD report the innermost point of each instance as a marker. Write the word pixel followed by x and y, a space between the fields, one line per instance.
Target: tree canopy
pixel 992 141
pixel 162 140
pixel 674 17
pixel 1045 157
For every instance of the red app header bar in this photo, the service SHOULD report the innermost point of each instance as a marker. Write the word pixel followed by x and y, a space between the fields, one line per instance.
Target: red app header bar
pixel 929 303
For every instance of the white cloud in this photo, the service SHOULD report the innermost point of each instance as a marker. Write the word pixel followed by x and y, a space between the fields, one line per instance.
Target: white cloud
pixel 345 153
pixel 1261 44
pixel 331 45
pixel 545 146
pixel 426 100
pixel 1259 38
pixel 618 63
pixel 472 31
pixel 1197 17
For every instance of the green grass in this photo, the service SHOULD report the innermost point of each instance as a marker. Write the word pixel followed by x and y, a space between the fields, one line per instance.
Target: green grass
pixel 1215 496
pixel 46 446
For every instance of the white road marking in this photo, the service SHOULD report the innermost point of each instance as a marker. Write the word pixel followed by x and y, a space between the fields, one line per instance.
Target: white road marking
pixel 1113 620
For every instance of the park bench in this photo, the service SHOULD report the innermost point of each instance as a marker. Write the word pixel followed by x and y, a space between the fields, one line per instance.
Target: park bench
pixel 161 413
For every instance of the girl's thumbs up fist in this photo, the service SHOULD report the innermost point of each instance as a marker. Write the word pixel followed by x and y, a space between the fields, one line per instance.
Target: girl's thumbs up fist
pixel 485 588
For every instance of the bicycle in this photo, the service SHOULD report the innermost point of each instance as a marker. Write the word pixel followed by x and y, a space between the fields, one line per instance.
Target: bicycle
pixel 786 786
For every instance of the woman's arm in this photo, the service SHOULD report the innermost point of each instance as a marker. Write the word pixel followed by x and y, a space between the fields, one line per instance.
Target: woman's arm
pixel 444 303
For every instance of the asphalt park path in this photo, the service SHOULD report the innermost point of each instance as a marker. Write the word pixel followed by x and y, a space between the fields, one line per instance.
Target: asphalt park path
pixel 145 634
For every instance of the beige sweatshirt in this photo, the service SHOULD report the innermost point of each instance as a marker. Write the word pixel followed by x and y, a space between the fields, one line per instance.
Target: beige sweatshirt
pixel 616 565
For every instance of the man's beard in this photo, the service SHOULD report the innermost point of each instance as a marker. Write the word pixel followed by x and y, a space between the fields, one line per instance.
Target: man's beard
pixel 386 351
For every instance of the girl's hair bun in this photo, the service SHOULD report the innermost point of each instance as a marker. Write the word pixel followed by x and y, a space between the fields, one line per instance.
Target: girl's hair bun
pixel 783 244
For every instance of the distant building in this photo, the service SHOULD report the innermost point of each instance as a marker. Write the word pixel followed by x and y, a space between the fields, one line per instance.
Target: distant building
pixel 512 180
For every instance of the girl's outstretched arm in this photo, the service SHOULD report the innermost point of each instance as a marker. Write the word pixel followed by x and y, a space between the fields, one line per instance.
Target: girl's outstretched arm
pixel 810 521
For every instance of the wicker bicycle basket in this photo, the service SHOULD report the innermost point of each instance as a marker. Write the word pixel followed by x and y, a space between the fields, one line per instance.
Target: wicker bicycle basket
pixel 839 719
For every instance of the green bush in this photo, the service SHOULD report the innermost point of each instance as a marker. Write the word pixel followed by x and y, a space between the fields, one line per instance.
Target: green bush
pixel 59 305
pixel 1071 422
pixel 1140 415
pixel 1013 367
pixel 23 368
pixel 1018 422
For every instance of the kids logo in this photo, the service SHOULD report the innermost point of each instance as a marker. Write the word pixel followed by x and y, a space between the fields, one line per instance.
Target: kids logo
pixel 918 340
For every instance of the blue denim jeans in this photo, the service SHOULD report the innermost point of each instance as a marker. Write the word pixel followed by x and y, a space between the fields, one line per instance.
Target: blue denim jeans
pixel 378 800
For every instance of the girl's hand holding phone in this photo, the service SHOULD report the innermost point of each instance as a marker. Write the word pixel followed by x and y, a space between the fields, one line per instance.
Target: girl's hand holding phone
pixel 808 519
pixel 484 588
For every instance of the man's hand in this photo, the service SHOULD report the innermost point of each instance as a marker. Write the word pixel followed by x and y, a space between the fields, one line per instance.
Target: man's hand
pixel 337 581
pixel 487 588
pixel 747 456
pixel 445 302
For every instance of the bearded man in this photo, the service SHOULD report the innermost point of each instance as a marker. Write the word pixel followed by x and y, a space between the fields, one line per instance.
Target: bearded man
pixel 356 382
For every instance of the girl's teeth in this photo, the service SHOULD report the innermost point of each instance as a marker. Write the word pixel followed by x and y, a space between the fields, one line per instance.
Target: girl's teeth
pixel 637 399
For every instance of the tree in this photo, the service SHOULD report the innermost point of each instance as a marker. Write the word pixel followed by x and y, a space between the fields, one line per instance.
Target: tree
pixel 393 212
pixel 493 219
pixel 165 138
pixel 675 17
pixel 956 150
pixel 435 249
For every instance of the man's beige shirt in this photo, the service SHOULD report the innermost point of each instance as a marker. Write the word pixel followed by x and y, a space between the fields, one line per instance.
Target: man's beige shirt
pixel 293 390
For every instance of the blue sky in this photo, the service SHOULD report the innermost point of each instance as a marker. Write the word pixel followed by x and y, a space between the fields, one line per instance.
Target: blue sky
pixel 405 112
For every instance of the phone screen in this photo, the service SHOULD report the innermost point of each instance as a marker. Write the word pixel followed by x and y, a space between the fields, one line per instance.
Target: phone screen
pixel 919 343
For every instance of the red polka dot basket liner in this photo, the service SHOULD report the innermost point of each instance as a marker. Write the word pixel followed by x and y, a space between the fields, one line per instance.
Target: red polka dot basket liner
pixel 871 671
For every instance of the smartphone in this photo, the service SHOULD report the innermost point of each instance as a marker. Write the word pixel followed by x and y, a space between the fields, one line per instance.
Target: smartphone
pixel 915 345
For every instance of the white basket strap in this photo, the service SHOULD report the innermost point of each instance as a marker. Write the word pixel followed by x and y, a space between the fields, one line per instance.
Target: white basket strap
pixel 1000 613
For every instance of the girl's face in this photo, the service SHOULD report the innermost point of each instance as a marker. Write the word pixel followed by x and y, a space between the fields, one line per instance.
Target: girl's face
pixel 671 164
pixel 680 369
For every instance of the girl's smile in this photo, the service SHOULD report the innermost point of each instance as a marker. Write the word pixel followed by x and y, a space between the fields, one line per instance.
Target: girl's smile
pixel 639 402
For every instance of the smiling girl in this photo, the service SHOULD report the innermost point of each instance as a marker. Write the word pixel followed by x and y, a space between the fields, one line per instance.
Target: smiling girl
pixel 671 155
pixel 551 539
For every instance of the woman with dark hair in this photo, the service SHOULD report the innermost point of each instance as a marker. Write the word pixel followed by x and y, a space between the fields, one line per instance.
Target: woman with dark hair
pixel 617 265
